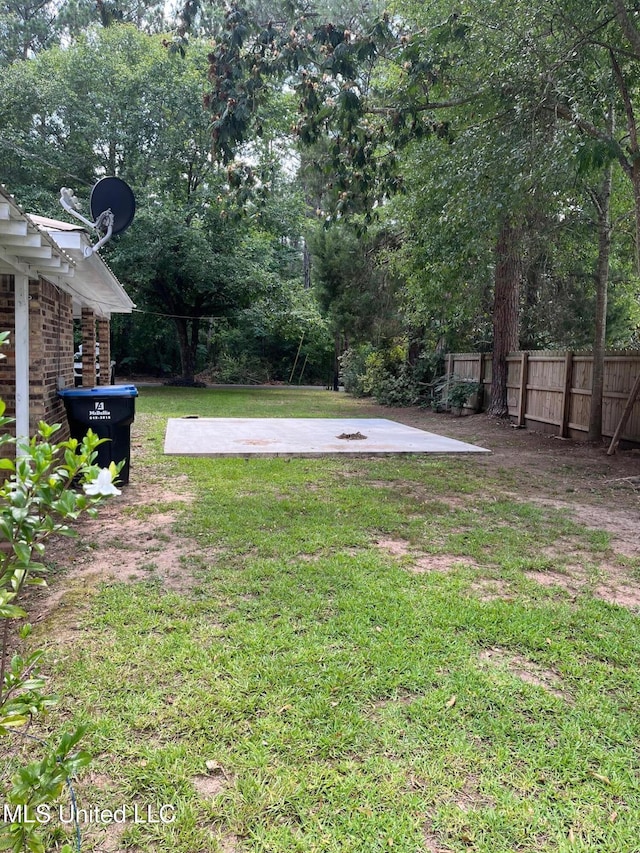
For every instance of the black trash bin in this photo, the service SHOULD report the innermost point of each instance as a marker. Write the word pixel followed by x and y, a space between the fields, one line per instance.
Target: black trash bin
pixel 109 411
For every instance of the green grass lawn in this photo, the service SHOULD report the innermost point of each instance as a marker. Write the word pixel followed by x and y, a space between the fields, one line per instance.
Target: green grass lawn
pixel 358 661
pixel 274 402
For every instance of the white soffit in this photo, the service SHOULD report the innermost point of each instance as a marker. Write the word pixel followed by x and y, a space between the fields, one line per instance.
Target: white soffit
pixel 27 250
pixel 94 284
pixel 37 247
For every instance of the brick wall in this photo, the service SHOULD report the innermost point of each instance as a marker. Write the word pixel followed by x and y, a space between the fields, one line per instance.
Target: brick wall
pixel 104 341
pixel 8 364
pixel 51 351
pixel 88 326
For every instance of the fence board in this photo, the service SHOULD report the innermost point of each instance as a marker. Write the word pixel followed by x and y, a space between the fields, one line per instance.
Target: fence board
pixel 467 365
pixel 554 388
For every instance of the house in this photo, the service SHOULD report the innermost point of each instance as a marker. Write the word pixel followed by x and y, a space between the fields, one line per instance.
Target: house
pixel 45 283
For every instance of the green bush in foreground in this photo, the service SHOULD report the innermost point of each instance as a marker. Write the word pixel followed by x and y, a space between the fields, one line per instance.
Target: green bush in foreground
pixel 47 485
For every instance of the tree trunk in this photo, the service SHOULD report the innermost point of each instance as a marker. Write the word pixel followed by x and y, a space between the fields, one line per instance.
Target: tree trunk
pixel 602 201
pixel 506 312
pixel 187 351
pixel 635 181
pixel 338 350
pixel 195 340
pixel 306 261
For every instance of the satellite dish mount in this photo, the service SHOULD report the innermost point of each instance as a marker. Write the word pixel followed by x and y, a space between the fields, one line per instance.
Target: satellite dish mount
pixel 113 207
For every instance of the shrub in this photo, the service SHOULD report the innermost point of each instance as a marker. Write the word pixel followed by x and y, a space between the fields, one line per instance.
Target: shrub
pixel 388 375
pixel 242 369
pixel 390 378
pixel 353 366
pixel 453 391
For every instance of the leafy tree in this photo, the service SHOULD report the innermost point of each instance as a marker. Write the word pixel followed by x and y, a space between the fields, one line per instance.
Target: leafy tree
pixel 204 18
pixel 586 57
pixel 341 100
pixel 117 102
pixel 282 337
pixel 24 28
pixel 147 15
pixel 571 62
pixel 501 74
pixel 355 290
pixel 28 27
pixel 187 270
pixel 589 64
pixel 443 259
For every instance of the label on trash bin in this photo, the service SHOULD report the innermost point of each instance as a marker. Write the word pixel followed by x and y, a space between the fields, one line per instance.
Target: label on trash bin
pixel 99 413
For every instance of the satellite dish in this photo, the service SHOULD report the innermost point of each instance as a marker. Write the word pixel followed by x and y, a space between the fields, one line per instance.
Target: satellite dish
pixel 113 207
pixel 115 195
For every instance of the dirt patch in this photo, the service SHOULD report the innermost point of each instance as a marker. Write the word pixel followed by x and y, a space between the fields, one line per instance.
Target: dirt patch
pixel 395 547
pixel 108 839
pixel 432 843
pixel 98 780
pixel 438 563
pixel 606 580
pixel 620 523
pixel 526 670
pixel 213 782
pixel 470 796
pixel 209 786
pixel 491 590
pixel 91 788
pixel 151 556
pixel 130 540
pixel 229 844
pixel 403 697
pixel 623 596
pixel 571 582
pixel 422 563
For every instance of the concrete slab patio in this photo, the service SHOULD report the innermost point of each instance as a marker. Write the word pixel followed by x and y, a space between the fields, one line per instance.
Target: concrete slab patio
pixel 303 437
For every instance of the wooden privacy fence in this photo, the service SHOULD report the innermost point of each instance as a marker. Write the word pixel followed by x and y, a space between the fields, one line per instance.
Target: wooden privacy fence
pixel 551 391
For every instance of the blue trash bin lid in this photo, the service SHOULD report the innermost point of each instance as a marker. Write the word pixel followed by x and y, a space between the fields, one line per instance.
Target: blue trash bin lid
pixel 100 391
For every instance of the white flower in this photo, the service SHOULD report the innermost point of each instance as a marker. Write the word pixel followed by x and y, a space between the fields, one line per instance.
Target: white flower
pixel 102 485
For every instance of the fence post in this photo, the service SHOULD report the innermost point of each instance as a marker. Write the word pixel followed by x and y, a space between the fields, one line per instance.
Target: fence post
pixel 566 395
pixel 449 363
pixel 522 391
